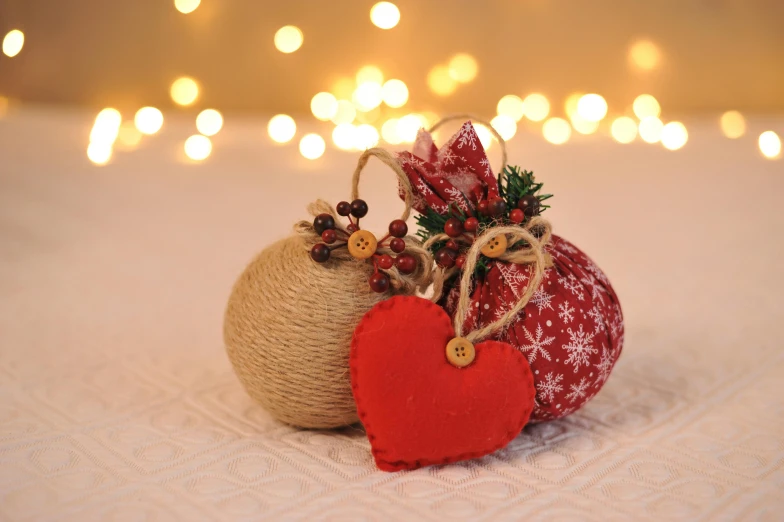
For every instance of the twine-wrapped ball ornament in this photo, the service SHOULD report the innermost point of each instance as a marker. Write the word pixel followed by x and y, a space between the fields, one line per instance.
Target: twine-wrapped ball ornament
pixel 289 320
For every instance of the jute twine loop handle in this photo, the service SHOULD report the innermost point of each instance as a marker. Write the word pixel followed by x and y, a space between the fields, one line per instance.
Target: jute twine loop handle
pixel 388 159
pixel 463 117
pixel 533 254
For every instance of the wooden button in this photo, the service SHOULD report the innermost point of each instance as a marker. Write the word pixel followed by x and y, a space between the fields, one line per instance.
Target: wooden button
pixel 496 247
pixel 362 244
pixel 460 352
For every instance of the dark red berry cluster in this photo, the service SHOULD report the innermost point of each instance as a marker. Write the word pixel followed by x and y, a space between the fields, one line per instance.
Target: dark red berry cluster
pixel 462 233
pixel 362 244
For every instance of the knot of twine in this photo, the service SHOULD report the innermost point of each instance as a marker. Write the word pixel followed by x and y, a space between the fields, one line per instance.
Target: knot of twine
pixel 535 234
pixel 422 277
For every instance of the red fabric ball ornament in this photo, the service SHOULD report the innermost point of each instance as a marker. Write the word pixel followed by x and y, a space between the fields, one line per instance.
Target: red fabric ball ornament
pixel 571 331
pixel 420 410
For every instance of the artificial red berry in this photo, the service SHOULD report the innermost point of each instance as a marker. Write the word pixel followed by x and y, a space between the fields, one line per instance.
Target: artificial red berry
pixel 453 227
pixel 320 253
pixel 529 205
pixel 323 222
pixel 460 261
pixel 445 258
pixel 385 261
pixel 452 245
pixel 398 228
pixel 329 236
pixel 397 245
pixel 379 282
pixel 482 207
pixel 352 228
pixel 406 263
pixel 516 216
pixel 359 208
pixel 343 208
pixel 471 224
pixel 496 207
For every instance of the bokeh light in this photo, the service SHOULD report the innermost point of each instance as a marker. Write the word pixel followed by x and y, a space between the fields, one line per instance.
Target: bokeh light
pixel 209 122
pixel 624 129
pixel 198 147
pixel 733 124
pixel 556 131
pixel 512 106
pixel 324 106
pixel 770 144
pixel 312 146
pixel 3 106
pixel 365 137
pixel 408 126
pixel 385 15
pixel 644 55
pixel 570 105
pixel 344 87
pixel 650 129
pixel 674 135
pixel 148 120
pixel 184 91
pixel 106 127
pixel 592 107
pixel 343 136
pixel 13 43
pixel 282 128
pixel 463 68
pixel 536 107
pixel 440 82
pixel 583 126
pixel 367 96
pixel 394 93
pixel 99 153
pixel 646 105
pixel 186 6
pixel 370 73
pixel 505 125
pixel 288 39
pixel 389 132
pixel 370 116
pixel 485 136
pixel 345 113
pixel 129 136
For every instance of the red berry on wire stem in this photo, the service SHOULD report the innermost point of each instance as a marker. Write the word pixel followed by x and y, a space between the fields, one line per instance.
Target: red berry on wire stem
pixel 452 245
pixel 398 228
pixel 445 258
pixel 359 208
pixel 482 207
pixel 323 222
pixel 406 263
pixel 352 228
pixel 471 224
pixel 379 282
pixel 343 208
pixel 320 253
pixel 529 205
pixel 516 216
pixel 385 261
pixel 460 261
pixel 329 236
pixel 453 227
pixel 397 245
pixel 496 207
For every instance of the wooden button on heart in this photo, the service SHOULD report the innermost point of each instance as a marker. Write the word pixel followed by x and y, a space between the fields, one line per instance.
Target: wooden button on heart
pixel 362 244
pixel 496 247
pixel 460 352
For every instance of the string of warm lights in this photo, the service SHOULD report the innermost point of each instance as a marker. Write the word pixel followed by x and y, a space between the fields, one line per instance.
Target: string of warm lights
pixel 368 108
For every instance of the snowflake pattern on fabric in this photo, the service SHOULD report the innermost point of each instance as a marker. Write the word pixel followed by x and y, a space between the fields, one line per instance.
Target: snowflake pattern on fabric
pixel 571 338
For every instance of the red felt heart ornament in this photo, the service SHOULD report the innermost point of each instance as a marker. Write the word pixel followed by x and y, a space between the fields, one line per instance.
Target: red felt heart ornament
pixel 417 408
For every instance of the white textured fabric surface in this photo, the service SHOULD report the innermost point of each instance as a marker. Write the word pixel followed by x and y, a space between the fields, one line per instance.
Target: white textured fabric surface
pixel 117 401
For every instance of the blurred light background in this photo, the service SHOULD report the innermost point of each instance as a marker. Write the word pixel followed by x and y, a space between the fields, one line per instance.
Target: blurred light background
pixel 359 73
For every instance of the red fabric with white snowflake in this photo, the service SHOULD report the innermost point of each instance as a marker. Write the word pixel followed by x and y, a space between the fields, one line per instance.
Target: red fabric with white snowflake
pixel 572 329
